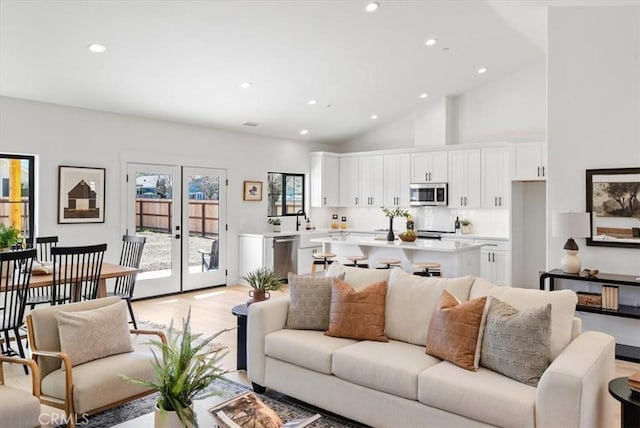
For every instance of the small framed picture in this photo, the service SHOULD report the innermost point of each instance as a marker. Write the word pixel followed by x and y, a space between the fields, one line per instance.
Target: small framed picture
pixel 81 194
pixel 252 191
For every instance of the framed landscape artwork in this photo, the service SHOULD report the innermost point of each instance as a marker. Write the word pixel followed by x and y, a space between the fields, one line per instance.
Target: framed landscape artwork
pixel 81 194
pixel 612 200
pixel 252 191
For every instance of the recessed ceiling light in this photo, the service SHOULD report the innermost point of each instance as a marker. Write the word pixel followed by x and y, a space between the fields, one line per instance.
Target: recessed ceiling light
pixel 482 70
pixel 424 95
pixel 374 116
pixel 431 42
pixel 312 102
pixel 304 132
pixel 372 6
pixel 97 48
pixel 245 85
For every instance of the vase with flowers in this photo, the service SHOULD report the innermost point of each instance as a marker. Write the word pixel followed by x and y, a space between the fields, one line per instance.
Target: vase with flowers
pixel 275 222
pixel 392 213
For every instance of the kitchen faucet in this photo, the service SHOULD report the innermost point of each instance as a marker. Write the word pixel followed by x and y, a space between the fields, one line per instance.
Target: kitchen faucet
pixel 298 218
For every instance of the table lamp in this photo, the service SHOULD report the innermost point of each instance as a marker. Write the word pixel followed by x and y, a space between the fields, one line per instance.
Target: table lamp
pixel 572 225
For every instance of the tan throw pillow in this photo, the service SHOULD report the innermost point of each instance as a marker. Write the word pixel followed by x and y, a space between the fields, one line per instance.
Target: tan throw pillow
pixel 357 314
pixel 98 333
pixel 454 332
pixel 516 343
pixel 310 302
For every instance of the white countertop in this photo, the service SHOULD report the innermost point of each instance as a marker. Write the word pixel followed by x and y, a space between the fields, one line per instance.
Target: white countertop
pixel 445 236
pixel 417 245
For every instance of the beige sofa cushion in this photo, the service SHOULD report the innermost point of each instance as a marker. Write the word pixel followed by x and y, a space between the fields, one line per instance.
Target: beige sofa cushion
pixel 305 348
pixel 563 306
pixel 411 300
pixel 18 409
pixel 483 395
pixel 391 367
pixel 358 278
pixel 98 383
pixel 96 333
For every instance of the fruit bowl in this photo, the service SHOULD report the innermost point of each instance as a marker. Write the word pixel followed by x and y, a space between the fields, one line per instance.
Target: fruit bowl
pixel 404 236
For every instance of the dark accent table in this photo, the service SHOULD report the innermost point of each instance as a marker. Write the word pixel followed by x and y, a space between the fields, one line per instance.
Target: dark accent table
pixel 623 352
pixel 629 404
pixel 241 312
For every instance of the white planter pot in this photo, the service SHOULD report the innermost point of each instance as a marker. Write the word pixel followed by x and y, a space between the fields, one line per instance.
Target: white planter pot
pixel 276 228
pixel 466 229
pixel 166 419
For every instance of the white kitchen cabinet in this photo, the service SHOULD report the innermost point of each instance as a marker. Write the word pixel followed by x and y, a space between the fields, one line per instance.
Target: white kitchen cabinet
pixel 349 182
pixel 464 178
pixel 495 262
pixel 371 181
pixel 429 167
pixel 496 186
pixel 397 178
pixel 529 161
pixel 324 174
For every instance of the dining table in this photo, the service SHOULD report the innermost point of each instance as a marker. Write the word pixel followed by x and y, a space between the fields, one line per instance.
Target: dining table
pixel 108 271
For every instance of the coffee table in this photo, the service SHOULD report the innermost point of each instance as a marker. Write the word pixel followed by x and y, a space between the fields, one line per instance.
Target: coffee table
pixel 205 418
pixel 630 404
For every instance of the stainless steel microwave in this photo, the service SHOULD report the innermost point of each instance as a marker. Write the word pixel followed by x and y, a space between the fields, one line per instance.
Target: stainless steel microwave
pixel 432 194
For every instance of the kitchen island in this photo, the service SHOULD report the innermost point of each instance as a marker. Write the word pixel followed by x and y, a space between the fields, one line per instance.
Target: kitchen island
pixel 456 258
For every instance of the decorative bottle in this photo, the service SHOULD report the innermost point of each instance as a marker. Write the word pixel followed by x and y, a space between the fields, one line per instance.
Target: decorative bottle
pixel 343 223
pixel 334 222
pixel 457 225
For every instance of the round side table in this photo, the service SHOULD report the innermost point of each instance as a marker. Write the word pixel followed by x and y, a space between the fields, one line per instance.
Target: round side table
pixel 241 312
pixel 630 403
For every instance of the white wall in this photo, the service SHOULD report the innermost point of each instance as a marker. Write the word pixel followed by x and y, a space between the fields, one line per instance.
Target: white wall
pixel 62 135
pixel 432 123
pixel 594 122
pixel 396 134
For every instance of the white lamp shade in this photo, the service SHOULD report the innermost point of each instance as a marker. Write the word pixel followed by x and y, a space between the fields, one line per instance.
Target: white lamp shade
pixel 571 225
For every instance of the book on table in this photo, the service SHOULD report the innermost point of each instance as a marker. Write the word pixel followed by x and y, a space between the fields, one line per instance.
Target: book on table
pixel 247 410
pixel 634 382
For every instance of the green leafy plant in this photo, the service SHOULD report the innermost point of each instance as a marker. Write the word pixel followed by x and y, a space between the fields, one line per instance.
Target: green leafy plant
pixel 263 279
pixel 395 212
pixel 274 221
pixel 187 365
pixel 9 236
pixel 465 222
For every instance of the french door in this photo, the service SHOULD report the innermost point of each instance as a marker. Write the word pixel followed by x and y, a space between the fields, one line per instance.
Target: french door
pixel 181 212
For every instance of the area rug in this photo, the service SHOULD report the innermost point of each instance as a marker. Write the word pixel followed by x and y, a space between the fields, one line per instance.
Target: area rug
pixel 287 408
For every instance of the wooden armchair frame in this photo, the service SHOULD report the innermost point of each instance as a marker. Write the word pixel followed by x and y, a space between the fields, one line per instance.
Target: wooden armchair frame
pixel 35 373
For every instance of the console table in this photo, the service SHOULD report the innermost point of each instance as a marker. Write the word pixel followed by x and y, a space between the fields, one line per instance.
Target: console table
pixel 623 352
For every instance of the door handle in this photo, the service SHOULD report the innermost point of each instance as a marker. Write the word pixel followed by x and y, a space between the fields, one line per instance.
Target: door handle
pixel 177 236
pixel 495 201
pixel 426 176
pixel 538 171
pixel 356 200
pixel 543 171
pixel 493 257
pixel 325 200
pixel 461 201
pixel 429 176
pixel 500 200
pixel 489 257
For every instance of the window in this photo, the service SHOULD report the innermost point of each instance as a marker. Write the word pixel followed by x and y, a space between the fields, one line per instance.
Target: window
pixel 286 193
pixel 16 193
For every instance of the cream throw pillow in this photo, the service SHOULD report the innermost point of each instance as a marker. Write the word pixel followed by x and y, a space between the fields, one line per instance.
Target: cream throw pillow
pixel 94 334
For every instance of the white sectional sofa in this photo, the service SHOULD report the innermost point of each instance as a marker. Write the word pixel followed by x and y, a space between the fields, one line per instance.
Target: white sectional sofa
pixel 396 384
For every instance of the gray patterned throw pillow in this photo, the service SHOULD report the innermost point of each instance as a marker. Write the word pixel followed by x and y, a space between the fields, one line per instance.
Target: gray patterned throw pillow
pixel 516 343
pixel 310 302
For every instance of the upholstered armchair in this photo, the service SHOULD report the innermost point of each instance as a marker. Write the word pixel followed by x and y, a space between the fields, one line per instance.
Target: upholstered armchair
pixel 82 349
pixel 18 408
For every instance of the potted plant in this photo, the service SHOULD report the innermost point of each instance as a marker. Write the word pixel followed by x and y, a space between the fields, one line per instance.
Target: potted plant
pixel 391 213
pixel 276 224
pixel 465 225
pixel 262 281
pixel 9 236
pixel 185 367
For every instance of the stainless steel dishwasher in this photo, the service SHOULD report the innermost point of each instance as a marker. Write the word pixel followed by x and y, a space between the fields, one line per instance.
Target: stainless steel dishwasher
pixel 285 255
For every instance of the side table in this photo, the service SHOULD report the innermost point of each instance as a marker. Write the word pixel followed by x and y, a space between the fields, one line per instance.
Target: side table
pixel 630 404
pixel 241 312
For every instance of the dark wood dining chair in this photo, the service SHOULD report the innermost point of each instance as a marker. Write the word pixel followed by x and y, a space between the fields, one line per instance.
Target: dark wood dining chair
pixel 130 256
pixel 76 273
pixel 42 295
pixel 210 257
pixel 15 275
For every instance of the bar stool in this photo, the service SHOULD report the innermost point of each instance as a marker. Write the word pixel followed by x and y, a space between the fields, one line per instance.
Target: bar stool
pixel 388 263
pixel 321 259
pixel 355 260
pixel 428 269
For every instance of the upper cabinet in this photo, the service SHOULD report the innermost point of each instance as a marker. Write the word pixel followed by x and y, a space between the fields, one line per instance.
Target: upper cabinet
pixel 324 177
pixel 371 181
pixel 429 167
pixel 529 161
pixel 464 178
pixel 496 185
pixel 397 177
pixel 349 182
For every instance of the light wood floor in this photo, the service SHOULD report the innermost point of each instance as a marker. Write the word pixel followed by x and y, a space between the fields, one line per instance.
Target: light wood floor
pixel 210 313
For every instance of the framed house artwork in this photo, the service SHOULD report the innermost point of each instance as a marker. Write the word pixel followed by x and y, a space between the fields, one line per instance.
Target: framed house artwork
pixel 252 191
pixel 81 194
pixel 612 199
